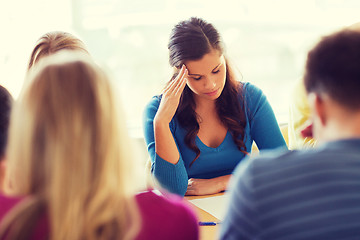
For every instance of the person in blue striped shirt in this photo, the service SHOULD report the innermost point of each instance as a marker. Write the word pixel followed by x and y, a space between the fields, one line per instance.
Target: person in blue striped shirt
pixel 315 193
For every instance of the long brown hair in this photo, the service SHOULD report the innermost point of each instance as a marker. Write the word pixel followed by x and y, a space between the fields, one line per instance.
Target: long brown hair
pixel 68 150
pixel 191 40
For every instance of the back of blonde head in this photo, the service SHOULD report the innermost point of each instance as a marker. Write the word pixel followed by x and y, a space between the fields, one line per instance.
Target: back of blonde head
pixel 68 148
pixel 52 42
pixel 355 27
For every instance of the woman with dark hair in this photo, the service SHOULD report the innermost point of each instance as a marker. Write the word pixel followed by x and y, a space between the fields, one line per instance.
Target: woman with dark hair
pixel 205 121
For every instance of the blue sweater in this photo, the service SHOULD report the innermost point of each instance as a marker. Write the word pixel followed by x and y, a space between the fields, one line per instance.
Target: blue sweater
pixel 309 194
pixel 261 127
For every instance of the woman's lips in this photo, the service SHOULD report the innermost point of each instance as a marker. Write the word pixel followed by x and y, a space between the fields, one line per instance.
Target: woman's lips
pixel 212 93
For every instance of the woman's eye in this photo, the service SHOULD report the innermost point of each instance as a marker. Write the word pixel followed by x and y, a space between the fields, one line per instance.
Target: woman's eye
pixel 196 78
pixel 216 71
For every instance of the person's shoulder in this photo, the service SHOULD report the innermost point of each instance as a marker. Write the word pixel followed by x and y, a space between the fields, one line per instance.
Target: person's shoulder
pixel 281 159
pixel 161 200
pixel 280 154
pixel 154 101
pixel 270 164
pixel 252 93
pixel 252 96
pixel 7 203
pixel 41 230
pixel 152 106
pixel 170 211
pixel 250 89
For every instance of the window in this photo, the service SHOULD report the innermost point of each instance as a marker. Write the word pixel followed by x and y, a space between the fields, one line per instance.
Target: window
pixel 267 40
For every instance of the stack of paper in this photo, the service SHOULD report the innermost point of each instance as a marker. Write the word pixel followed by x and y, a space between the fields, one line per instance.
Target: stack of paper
pixel 216 205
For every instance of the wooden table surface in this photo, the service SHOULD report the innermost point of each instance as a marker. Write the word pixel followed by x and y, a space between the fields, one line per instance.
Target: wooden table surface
pixel 206 232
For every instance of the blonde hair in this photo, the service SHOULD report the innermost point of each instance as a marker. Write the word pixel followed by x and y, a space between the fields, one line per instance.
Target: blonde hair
pixel 53 42
pixel 69 150
pixel 355 27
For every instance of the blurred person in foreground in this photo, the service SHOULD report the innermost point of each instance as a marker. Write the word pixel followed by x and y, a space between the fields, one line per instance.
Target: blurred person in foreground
pixel 71 168
pixel 314 193
pixel 299 127
pixel 5 109
pixel 48 44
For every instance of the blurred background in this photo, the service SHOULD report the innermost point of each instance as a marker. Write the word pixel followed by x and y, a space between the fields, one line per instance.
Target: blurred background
pixel 267 40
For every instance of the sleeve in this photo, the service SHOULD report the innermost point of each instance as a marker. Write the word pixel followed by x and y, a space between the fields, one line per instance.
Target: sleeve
pixel 299 113
pixel 172 177
pixel 264 128
pixel 241 219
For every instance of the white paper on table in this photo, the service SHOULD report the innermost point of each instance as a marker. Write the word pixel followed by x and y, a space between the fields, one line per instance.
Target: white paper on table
pixel 216 205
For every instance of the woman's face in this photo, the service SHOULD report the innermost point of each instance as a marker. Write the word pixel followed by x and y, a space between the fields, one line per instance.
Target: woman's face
pixel 207 76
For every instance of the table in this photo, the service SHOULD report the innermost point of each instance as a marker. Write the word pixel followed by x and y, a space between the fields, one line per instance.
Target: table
pixel 206 232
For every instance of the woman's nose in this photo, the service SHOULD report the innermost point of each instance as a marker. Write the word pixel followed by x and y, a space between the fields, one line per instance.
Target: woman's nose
pixel 210 83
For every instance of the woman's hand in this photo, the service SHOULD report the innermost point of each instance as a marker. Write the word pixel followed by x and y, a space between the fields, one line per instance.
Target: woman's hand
pixel 165 145
pixel 197 186
pixel 171 97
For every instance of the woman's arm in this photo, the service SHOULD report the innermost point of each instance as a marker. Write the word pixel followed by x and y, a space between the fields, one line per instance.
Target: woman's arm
pixel 198 186
pixel 165 145
pixel 167 165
